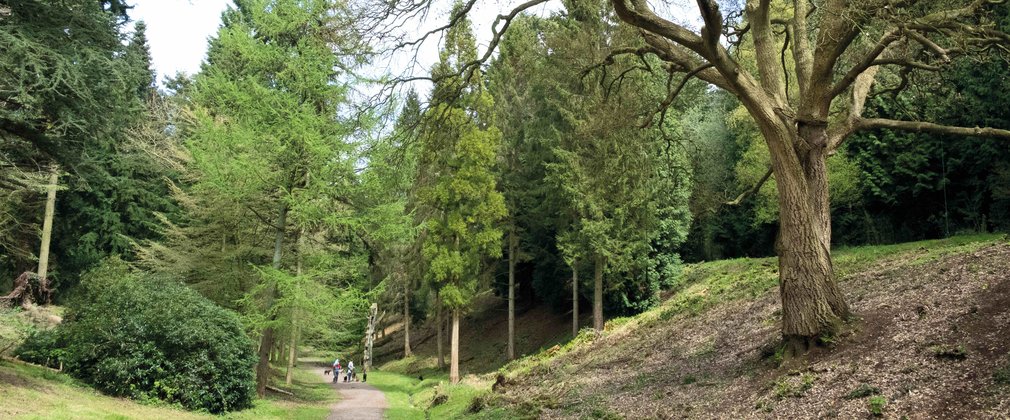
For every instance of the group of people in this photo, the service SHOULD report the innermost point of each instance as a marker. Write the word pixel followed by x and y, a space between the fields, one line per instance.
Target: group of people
pixel 349 374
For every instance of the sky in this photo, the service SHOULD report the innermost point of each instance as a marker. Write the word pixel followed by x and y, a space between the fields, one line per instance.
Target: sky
pixel 177 31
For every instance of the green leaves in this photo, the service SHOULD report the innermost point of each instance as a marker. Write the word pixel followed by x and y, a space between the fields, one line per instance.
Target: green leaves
pixel 457 187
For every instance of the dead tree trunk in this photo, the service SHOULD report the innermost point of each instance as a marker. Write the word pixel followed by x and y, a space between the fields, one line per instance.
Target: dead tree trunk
pixel 370 336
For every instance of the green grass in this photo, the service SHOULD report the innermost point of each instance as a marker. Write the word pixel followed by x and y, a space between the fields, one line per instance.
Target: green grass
pixel 32 392
pixel 410 398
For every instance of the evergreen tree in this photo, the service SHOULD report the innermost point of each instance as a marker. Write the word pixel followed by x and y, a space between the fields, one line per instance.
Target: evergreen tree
pixel 268 138
pixel 459 145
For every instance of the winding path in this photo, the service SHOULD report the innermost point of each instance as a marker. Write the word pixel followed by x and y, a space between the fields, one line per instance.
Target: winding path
pixel 358 400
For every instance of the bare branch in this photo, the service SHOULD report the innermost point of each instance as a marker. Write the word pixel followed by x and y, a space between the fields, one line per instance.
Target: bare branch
pixel 802 55
pixel 753 190
pixel 865 63
pixel 665 105
pixel 926 127
pixel 772 79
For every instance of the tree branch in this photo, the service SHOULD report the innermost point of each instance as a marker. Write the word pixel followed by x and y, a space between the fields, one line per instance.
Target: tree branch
pixel 864 64
pixel 753 190
pixel 926 127
pixel 665 105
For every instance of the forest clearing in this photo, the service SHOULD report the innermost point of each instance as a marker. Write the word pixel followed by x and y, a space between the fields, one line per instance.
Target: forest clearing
pixel 354 209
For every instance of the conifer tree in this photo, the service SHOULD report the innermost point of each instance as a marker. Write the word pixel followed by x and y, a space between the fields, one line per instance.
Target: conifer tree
pixel 459 145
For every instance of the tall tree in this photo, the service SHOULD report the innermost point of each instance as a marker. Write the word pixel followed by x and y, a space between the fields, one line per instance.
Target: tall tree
pixel 266 108
pixel 459 145
pixel 837 49
pixel 833 51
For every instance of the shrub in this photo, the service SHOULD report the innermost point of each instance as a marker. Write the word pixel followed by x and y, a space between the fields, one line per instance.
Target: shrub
pixel 1002 376
pixel 149 339
pixel 876 405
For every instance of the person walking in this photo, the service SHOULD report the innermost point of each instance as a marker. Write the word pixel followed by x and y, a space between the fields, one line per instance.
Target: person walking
pixel 336 370
pixel 350 371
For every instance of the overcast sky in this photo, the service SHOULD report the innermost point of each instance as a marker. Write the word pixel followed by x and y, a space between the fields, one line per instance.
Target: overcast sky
pixel 178 30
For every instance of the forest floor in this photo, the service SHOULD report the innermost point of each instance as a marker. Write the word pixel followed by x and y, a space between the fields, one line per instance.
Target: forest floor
pixel 929 341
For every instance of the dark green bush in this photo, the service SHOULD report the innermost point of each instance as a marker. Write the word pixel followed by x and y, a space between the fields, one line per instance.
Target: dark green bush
pixel 149 339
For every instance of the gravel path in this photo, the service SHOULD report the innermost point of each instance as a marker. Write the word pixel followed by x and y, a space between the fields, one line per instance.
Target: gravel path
pixel 358 401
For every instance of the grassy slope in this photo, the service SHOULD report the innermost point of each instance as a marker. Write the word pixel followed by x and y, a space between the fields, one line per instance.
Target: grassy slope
pixel 710 348
pixel 32 392
pixel 679 350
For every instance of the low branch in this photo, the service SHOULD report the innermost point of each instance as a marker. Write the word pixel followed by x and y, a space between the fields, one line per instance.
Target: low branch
pixel 753 190
pixel 926 127
pixel 906 63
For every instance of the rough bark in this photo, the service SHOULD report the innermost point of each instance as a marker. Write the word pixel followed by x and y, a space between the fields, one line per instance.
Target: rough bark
pixel 812 304
pixel 267 338
pixel 373 311
pixel 575 300
pixel 800 130
pixel 512 295
pixel 598 294
pixel 454 349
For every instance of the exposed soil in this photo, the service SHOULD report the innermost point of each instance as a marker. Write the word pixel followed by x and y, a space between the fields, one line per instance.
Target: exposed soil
pixel 929 336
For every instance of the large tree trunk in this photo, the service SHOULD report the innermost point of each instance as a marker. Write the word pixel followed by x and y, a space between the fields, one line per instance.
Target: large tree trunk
pixel 454 349
pixel 575 300
pixel 512 295
pixel 267 338
pixel 406 319
pixel 47 232
pixel 439 326
pixel 812 304
pixel 598 294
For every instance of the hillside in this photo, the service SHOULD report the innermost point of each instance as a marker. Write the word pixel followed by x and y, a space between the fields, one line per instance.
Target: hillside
pixel 929 341
pixel 34 392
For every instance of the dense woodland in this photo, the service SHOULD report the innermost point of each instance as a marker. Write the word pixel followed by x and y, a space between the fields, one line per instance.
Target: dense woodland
pixel 578 164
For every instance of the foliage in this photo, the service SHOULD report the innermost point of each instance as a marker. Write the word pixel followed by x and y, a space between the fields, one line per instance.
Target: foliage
pixel 456 185
pixel 150 339
pixel 582 179
pixel 876 405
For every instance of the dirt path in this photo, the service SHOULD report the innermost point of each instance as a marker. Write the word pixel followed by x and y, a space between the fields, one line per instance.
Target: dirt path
pixel 358 401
